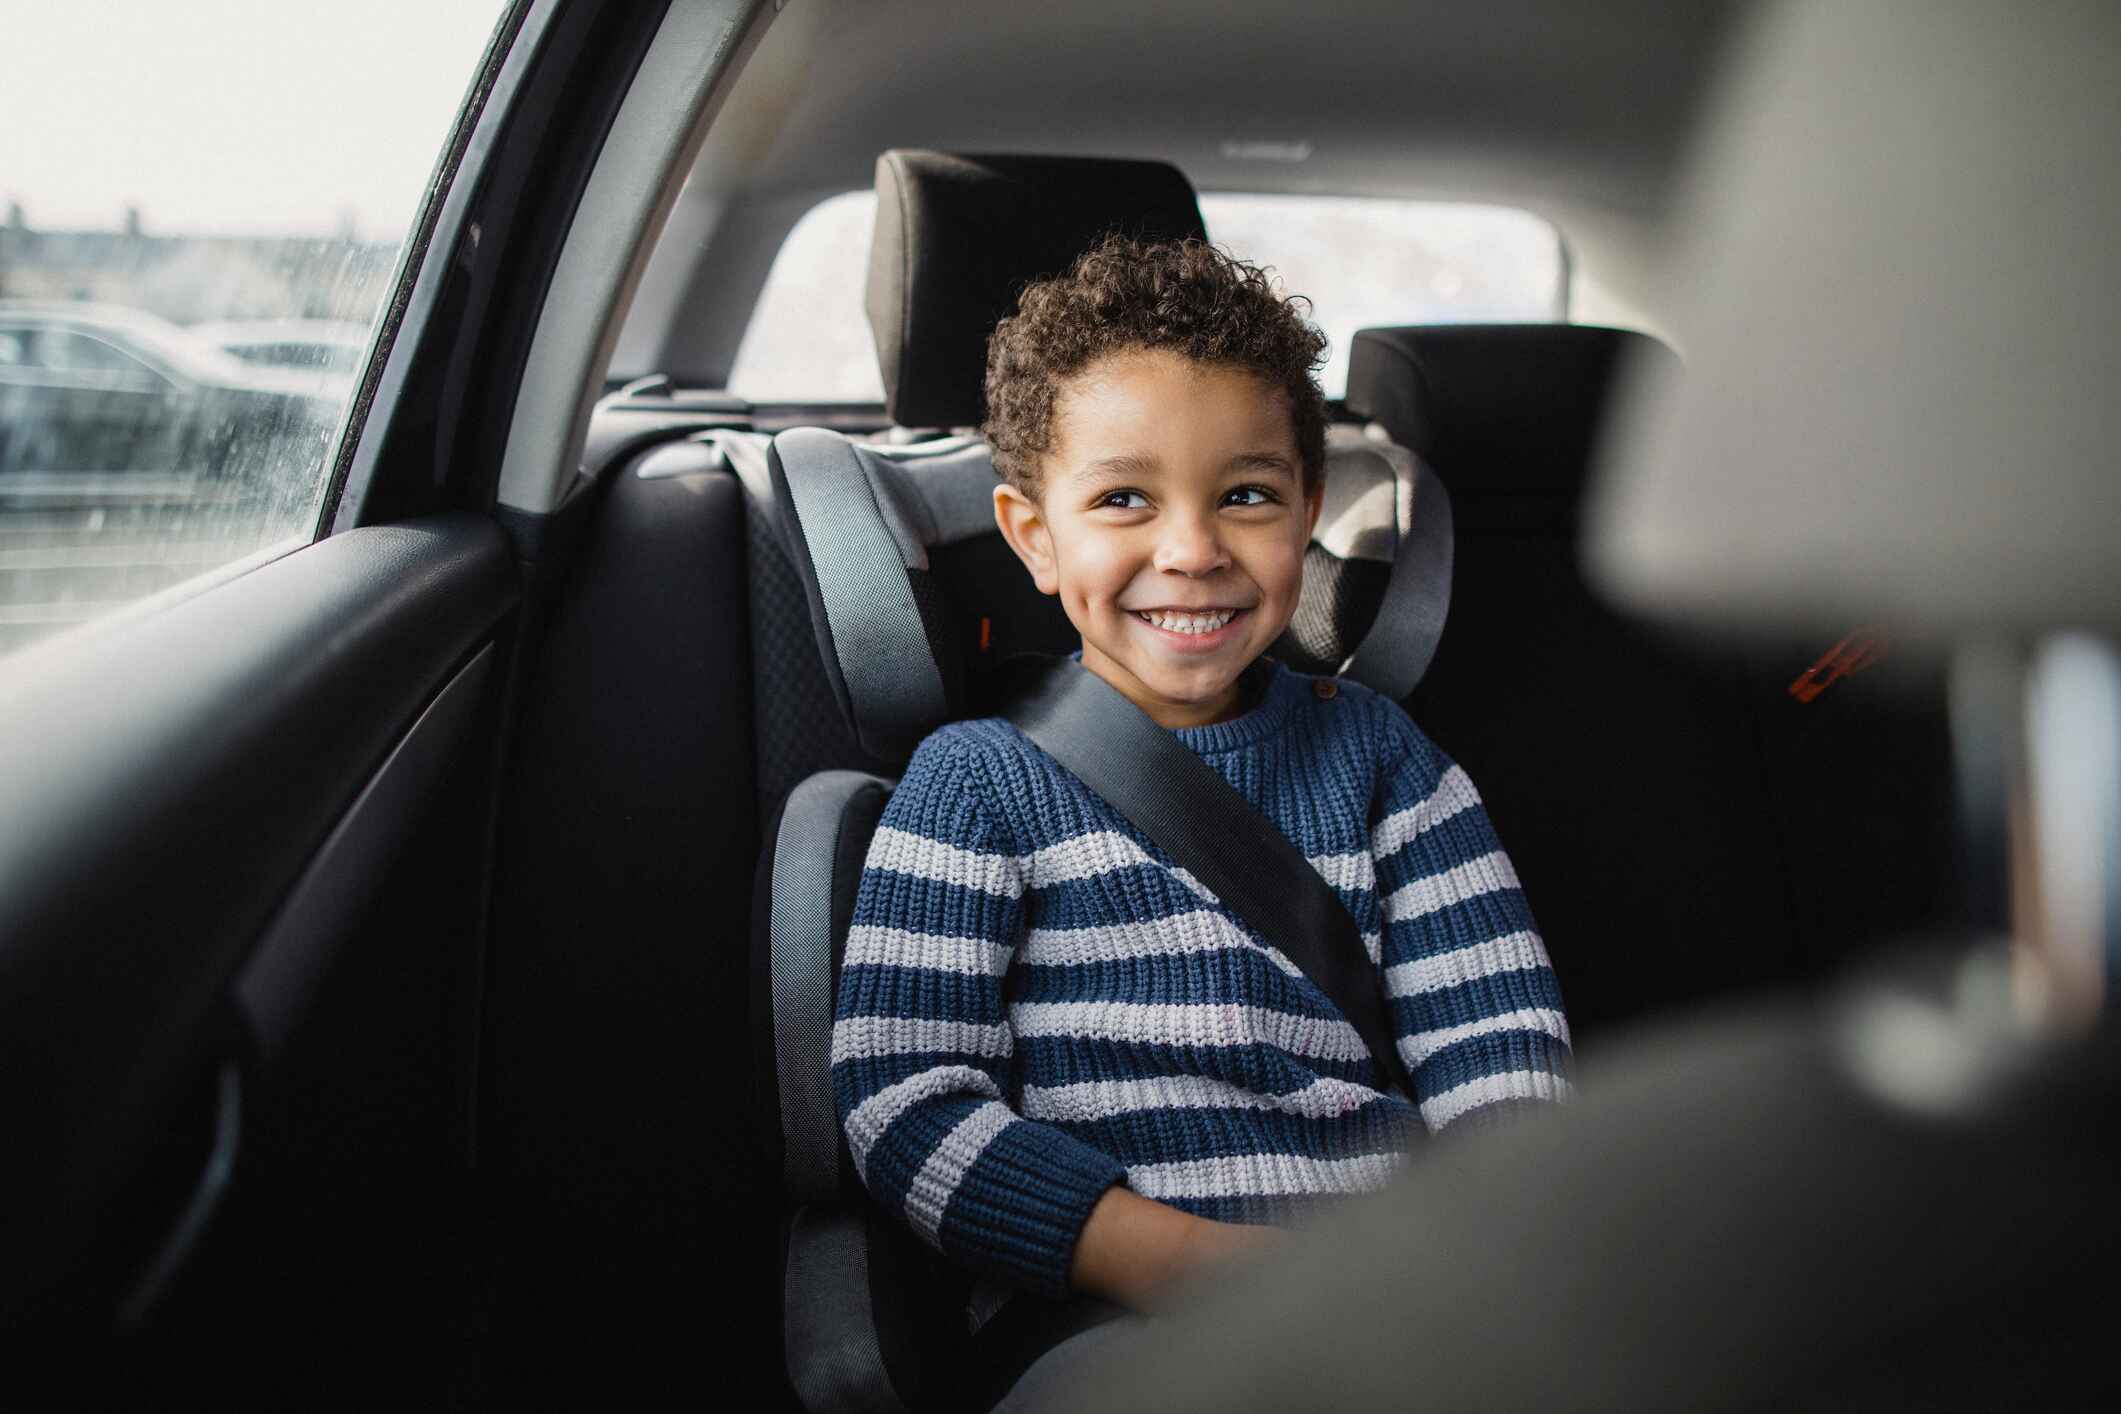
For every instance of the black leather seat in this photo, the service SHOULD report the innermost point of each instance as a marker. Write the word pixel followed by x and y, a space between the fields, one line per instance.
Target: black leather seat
pixel 1684 827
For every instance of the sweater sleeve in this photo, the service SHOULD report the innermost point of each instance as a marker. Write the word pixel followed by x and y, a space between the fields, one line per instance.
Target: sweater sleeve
pixel 921 1042
pixel 1476 1011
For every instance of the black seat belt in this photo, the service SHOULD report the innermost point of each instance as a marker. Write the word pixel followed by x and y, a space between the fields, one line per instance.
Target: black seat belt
pixel 1200 820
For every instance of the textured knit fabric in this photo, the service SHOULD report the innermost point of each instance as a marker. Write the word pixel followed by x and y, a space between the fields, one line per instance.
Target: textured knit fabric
pixel 1036 1004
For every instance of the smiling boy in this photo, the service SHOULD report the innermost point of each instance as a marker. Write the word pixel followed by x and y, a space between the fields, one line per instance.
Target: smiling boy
pixel 1057 1057
pixel 1170 517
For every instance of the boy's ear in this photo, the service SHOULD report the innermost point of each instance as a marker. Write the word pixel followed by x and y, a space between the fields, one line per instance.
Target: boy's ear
pixel 1315 501
pixel 1023 524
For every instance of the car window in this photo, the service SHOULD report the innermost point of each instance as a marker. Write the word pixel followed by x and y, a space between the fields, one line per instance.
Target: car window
pixel 171 167
pixel 808 340
pixel 1367 261
pixel 1361 261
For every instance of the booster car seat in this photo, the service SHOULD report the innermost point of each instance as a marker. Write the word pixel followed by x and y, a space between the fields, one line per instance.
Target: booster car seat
pixel 914 600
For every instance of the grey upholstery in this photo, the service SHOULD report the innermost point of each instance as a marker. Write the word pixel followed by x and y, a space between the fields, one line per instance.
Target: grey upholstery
pixel 864 528
pixel 1927 434
pixel 901 639
pixel 913 599
pixel 839 1356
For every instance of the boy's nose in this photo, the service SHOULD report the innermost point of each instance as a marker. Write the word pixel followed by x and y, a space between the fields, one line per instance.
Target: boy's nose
pixel 1191 546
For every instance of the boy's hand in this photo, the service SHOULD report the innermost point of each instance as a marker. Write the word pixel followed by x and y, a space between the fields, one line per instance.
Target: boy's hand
pixel 1135 1251
pixel 1216 1243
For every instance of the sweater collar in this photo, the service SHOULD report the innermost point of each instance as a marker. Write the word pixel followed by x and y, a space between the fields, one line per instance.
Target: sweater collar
pixel 1269 686
pixel 1273 691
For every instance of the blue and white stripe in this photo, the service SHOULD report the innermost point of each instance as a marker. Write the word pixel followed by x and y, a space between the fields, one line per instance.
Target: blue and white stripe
pixel 1035 1005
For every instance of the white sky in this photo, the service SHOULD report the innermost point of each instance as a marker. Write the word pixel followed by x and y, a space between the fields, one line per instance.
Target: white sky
pixel 231 116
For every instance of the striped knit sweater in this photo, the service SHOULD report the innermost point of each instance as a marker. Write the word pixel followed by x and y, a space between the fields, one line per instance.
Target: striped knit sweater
pixel 1036 1004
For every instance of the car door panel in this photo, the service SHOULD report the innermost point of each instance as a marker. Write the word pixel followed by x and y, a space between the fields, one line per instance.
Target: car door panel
pixel 277 985
pixel 356 1221
pixel 169 778
pixel 245 862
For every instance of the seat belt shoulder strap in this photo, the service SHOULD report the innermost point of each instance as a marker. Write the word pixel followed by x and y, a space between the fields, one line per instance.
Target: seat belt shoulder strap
pixel 1207 828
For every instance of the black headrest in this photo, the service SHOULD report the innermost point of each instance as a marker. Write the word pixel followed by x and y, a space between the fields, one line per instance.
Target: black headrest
pixel 957 239
pixel 1508 407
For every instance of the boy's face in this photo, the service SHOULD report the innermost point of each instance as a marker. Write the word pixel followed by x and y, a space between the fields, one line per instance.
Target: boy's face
pixel 1171 523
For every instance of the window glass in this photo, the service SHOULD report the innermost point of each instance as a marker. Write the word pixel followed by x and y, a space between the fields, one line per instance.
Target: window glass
pixel 64 352
pixel 1360 261
pixel 1367 261
pixel 172 168
pixel 808 339
pixel 340 358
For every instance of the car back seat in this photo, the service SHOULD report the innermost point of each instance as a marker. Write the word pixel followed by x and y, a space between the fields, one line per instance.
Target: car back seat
pixel 1683 825
pixel 913 599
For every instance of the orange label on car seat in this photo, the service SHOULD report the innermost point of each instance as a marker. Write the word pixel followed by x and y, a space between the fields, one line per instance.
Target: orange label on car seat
pixel 1851 655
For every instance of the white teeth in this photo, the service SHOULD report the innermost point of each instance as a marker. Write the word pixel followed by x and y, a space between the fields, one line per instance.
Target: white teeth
pixel 1188 623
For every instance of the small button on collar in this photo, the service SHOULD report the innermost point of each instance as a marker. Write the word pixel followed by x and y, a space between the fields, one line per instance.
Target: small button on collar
pixel 1325 689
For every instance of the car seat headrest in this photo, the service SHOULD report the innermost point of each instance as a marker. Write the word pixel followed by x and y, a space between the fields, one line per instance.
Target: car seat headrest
pixel 1924 435
pixel 916 599
pixel 1497 407
pixel 957 239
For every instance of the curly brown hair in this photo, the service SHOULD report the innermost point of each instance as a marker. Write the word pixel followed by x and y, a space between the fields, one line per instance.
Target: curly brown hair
pixel 1123 295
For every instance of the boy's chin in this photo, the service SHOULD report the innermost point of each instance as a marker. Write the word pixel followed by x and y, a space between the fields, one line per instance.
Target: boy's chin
pixel 1207 692
pixel 1204 686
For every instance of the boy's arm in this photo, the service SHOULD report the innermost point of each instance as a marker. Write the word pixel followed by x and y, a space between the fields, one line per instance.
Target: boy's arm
pixel 921 1043
pixel 1476 1011
pixel 1135 1251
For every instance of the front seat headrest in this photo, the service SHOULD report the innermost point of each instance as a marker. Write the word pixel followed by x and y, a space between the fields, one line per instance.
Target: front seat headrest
pixel 1495 407
pixel 957 239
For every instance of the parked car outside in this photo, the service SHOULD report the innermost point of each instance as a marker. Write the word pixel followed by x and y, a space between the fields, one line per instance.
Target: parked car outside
pixel 134 455
pixel 330 348
pixel 88 389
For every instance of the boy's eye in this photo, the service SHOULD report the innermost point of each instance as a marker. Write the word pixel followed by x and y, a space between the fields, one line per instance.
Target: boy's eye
pixel 1250 496
pixel 1123 500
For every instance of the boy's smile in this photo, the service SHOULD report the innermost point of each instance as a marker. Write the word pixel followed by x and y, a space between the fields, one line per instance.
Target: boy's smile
pixel 1171 523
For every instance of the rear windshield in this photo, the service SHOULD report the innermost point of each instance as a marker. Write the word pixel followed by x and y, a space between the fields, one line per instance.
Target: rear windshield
pixel 1361 261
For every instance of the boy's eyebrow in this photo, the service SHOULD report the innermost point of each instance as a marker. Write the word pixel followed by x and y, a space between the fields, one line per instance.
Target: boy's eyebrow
pixel 1261 461
pixel 1134 464
pixel 1123 464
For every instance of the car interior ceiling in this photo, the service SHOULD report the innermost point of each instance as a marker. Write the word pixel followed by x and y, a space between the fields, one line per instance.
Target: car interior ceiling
pixel 586 980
